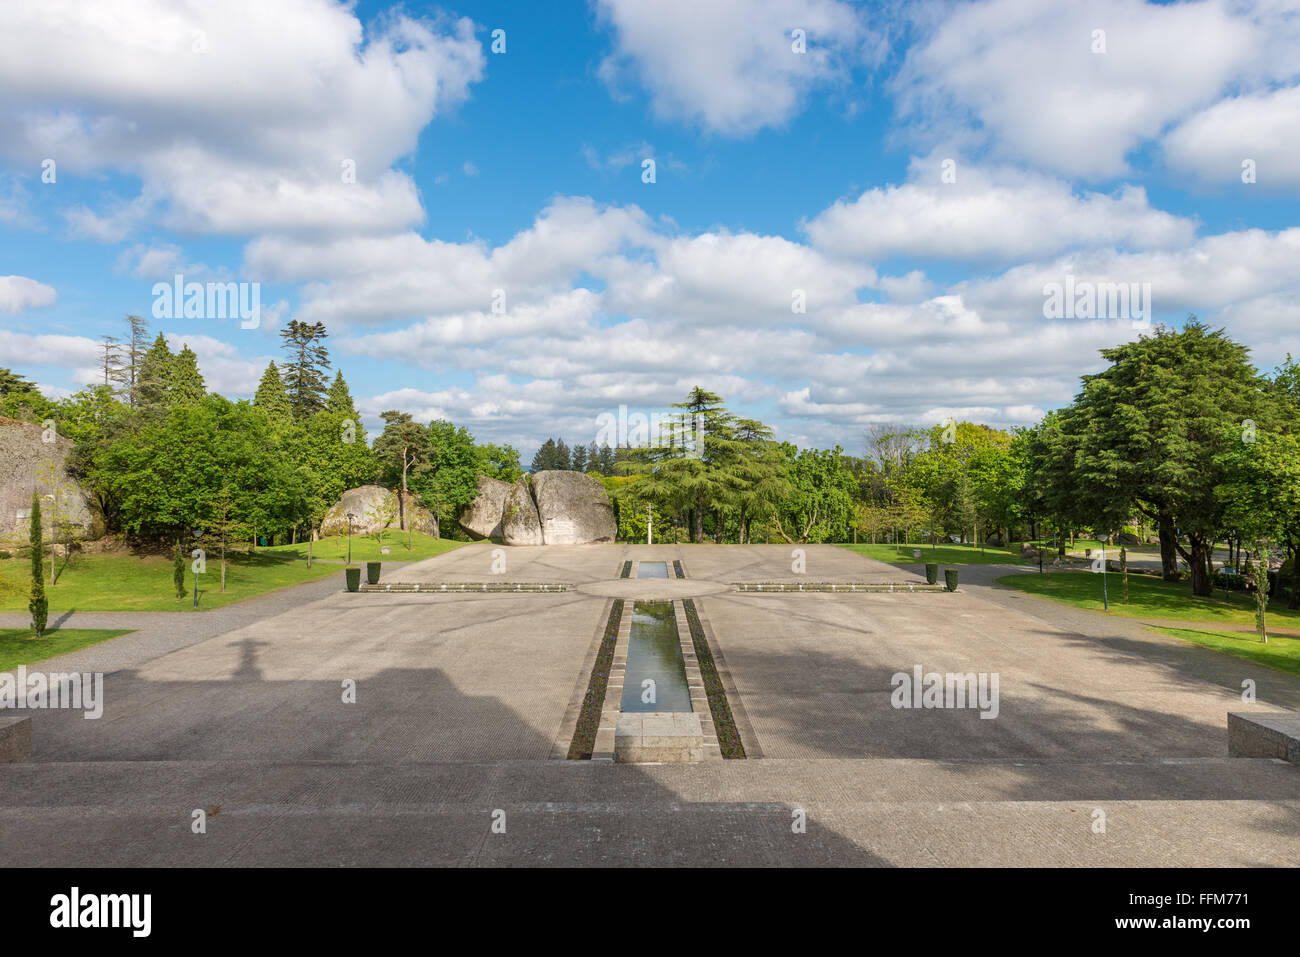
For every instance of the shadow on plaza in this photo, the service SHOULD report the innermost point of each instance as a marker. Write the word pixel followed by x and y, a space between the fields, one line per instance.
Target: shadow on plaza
pixel 411 774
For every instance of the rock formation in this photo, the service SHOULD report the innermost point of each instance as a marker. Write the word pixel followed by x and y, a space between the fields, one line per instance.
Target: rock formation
pixel 375 507
pixel 481 518
pixel 574 508
pixel 29 462
pixel 520 524
pixel 555 508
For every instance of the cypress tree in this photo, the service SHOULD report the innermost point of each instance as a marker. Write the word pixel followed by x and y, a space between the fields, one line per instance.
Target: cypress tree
pixel 187 382
pixel 178 570
pixel 271 397
pixel 340 397
pixel 154 379
pixel 38 605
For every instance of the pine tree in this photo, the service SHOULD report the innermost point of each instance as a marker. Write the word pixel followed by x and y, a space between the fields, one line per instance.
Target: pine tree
pixel 562 460
pixel 154 381
pixel 579 458
pixel 110 361
pixel 12 383
pixel 339 400
pixel 136 349
pixel 38 605
pixel 271 397
pixel 544 458
pixel 606 460
pixel 593 458
pixel 186 380
pixel 304 372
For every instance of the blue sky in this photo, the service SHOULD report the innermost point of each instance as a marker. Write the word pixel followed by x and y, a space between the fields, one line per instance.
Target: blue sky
pixel 210 143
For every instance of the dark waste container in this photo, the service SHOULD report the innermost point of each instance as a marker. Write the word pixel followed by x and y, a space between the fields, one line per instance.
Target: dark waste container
pixel 353 578
pixel 950 578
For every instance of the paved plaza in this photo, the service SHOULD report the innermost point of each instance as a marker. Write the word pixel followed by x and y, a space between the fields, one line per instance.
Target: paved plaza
pixel 465 705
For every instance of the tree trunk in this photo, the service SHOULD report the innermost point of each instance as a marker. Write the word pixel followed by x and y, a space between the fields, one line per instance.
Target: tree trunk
pixel 401 506
pixel 697 533
pixel 1294 600
pixel 1168 549
pixel 1202 582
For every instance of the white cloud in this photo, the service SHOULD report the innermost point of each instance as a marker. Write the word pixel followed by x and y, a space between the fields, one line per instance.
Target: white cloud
pixel 236 117
pixel 1020 76
pixel 990 215
pixel 1264 127
pixel 18 293
pixel 728 65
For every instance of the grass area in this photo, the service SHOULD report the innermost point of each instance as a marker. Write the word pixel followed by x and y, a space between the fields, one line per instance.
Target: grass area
pixel 366 549
pixel 1149 597
pixel 943 554
pixel 125 582
pixel 1281 652
pixel 18 647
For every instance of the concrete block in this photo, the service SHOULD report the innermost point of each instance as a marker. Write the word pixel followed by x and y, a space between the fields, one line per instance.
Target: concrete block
pixel 658 737
pixel 1264 735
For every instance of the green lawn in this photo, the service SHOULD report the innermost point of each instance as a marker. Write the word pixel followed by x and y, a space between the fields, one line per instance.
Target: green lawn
pixel 1281 652
pixel 125 582
pixel 18 647
pixel 943 554
pixel 1149 597
pixel 366 549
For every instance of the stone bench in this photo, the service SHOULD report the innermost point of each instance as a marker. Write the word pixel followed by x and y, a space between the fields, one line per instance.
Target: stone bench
pixel 15 739
pixel 657 737
pixel 1264 735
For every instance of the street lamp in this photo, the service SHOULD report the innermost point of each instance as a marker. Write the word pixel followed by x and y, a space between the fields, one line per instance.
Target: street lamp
pixel 198 534
pixel 350 518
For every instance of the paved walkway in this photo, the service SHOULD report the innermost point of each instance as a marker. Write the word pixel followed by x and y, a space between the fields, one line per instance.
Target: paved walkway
pixel 460 699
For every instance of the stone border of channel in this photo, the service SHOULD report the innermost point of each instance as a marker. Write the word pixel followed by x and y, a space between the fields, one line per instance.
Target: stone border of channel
pixel 842 587
pixel 611 707
pixel 695 684
pixel 438 588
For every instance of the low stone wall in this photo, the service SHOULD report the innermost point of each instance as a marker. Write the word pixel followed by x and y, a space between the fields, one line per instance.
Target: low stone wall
pixel 1264 735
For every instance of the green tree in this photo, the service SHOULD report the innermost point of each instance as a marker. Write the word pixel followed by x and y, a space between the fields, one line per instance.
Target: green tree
pixel 306 367
pixel 403 451
pixel 37 603
pixel 154 379
pixel 186 380
pixel 1146 435
pixel 271 397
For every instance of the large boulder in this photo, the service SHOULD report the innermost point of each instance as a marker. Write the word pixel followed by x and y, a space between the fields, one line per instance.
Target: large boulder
pixel 481 518
pixel 373 508
pixel 520 524
pixel 574 508
pixel 1129 540
pixel 33 458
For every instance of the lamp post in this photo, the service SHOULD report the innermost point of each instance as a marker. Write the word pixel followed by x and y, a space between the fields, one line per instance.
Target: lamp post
pixel 198 534
pixel 350 518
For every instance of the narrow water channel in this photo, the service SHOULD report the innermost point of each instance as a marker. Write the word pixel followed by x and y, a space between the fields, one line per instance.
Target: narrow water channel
pixel 652 570
pixel 654 653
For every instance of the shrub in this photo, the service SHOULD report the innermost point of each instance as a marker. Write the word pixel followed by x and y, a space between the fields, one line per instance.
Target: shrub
pixel 38 605
pixel 178 571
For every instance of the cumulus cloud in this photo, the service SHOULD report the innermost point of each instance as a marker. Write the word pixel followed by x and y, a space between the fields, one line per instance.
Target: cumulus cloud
pixel 18 293
pixel 236 118
pixel 1020 77
pixel 1263 127
pixel 729 65
pixel 986 214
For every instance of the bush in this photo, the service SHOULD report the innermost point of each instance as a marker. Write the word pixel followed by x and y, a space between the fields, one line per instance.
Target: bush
pixel 372 572
pixel 38 605
pixel 4 555
pixel 352 576
pixel 178 571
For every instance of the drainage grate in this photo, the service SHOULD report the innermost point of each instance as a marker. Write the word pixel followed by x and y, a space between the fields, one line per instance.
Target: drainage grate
pixel 677 567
